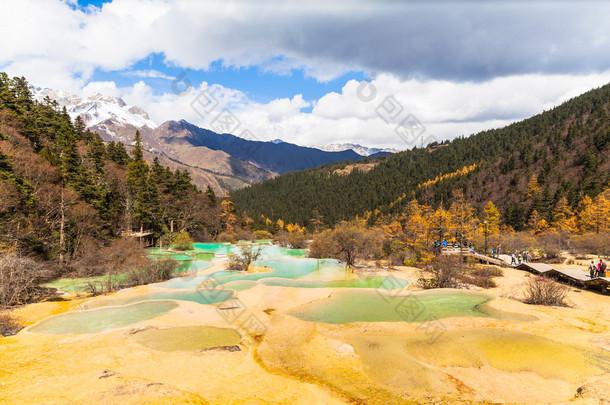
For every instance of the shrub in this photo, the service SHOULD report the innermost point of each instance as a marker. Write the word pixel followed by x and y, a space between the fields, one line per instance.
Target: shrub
pixel 150 271
pixel 245 235
pixel 544 291
pixel 227 237
pixel 262 235
pixel 297 240
pixel 244 258
pixel 93 260
pixel 183 241
pixel 281 238
pixel 451 272
pixel 446 272
pixel 595 244
pixel 347 242
pixel 9 325
pixel 19 279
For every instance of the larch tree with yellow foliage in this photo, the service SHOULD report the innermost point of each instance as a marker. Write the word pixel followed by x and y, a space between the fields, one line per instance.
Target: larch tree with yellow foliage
pixel 564 219
pixel 586 215
pixel 491 215
pixel 227 215
pixel 462 221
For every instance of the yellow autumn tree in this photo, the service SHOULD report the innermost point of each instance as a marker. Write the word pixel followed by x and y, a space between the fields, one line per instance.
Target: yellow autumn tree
pixel 280 224
pixel 564 219
pixel 533 187
pixel 414 221
pixel 462 221
pixel 533 220
pixel 491 220
pixel 586 215
pixel 541 228
pixel 227 214
pixel 601 211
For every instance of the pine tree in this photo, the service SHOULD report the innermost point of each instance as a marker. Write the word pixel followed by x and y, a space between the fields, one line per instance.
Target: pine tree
pixel 139 190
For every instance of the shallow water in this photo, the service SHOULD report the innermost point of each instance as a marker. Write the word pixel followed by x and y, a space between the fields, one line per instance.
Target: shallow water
pixel 201 296
pixel 378 306
pixel 188 338
pixel 380 282
pixel 99 320
pixel 506 350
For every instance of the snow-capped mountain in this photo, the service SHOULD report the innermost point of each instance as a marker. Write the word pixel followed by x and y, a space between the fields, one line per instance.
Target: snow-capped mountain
pixel 359 149
pixel 97 109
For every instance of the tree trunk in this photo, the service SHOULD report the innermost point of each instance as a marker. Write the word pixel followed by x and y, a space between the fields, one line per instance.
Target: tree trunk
pixel 62 237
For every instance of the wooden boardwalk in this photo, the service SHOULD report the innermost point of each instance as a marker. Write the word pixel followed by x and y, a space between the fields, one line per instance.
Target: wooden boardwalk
pixel 481 257
pixel 574 276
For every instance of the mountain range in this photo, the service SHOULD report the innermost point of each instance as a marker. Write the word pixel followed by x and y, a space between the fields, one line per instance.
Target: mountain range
pixel 223 161
pixel 524 168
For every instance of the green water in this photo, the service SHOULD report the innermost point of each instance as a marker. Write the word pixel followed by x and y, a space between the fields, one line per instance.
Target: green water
pixel 376 306
pixel 81 283
pixel 183 283
pixel 202 296
pixel 204 256
pixel 289 269
pixel 240 285
pixel 363 282
pixel 188 338
pixel 193 265
pixel 288 273
pixel 99 320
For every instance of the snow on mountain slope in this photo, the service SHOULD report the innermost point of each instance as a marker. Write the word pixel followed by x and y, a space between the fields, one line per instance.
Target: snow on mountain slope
pixel 97 108
pixel 359 149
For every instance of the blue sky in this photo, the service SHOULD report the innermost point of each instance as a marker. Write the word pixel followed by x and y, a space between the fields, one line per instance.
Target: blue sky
pixel 318 72
pixel 257 84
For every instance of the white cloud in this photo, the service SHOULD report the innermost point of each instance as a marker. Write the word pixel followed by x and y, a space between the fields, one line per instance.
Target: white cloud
pixel 455 41
pixel 107 88
pixel 457 67
pixel 445 109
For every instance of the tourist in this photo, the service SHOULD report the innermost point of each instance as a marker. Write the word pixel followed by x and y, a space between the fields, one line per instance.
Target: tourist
pixel 520 258
pixel 493 252
pixel 592 269
pixel 601 269
pixel 513 260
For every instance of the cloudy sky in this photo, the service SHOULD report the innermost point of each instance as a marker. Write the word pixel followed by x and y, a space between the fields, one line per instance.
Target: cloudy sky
pixel 378 73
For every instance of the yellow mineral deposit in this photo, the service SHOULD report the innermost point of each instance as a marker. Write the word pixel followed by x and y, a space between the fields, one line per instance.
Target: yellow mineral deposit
pixel 483 347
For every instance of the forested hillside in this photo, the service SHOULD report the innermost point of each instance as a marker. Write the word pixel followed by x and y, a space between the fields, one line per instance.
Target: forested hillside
pixel 63 191
pixel 524 168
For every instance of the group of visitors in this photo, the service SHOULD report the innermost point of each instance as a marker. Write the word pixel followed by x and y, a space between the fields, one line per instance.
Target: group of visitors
pixel 521 257
pixel 597 270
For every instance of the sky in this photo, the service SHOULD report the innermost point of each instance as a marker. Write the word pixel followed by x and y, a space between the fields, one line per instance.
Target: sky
pixel 383 73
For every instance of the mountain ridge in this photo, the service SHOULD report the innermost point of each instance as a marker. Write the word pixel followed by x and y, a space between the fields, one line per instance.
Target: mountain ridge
pixel 563 152
pixel 236 160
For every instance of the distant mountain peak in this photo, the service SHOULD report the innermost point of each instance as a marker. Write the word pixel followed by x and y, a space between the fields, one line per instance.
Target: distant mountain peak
pixel 359 149
pixel 276 141
pixel 97 109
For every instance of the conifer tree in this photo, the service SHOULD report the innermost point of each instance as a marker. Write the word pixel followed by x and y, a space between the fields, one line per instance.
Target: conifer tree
pixel 137 180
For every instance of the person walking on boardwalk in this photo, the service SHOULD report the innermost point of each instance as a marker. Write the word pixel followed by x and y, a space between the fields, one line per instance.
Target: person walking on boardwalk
pixel 601 269
pixel 513 260
pixel 519 258
pixel 592 270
